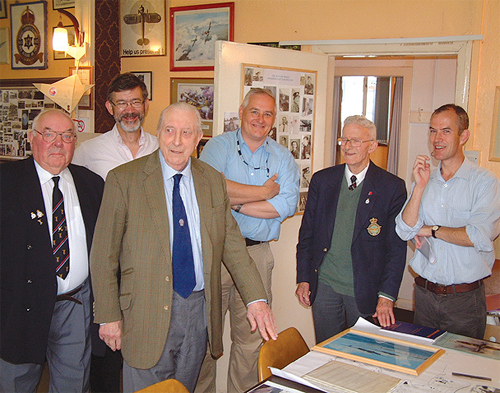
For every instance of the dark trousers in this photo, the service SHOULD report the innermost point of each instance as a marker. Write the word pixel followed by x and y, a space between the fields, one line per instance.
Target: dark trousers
pixel 459 313
pixel 105 372
pixel 333 312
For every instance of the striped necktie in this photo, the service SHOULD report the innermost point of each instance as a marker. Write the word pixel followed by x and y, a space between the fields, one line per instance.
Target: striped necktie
pixel 60 241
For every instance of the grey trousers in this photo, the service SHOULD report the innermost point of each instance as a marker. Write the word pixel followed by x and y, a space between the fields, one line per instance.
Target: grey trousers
pixel 459 313
pixel 68 352
pixel 184 350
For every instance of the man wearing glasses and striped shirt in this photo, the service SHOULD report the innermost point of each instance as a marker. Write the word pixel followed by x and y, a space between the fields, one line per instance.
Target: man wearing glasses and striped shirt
pixel 262 181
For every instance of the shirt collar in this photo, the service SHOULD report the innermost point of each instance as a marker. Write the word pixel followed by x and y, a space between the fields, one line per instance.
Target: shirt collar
pixel 169 172
pixel 359 177
pixel 462 172
pixel 46 176
pixel 242 142
pixel 119 139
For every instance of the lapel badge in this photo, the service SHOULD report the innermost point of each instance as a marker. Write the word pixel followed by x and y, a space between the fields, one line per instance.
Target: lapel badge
pixel 367 201
pixel 374 228
pixel 39 214
pixel 33 215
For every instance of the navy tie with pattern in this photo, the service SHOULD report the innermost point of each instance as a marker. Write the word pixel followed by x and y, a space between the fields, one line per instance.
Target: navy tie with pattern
pixel 182 253
pixel 353 183
pixel 60 242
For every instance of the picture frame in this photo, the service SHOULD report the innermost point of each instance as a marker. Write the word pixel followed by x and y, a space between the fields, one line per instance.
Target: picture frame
pixel 495 132
pixel 85 74
pixel 3 9
pixel 28 23
pixel 147 78
pixel 61 55
pixel 62 4
pixel 198 92
pixel 142 30
pixel 193 32
pixel 381 351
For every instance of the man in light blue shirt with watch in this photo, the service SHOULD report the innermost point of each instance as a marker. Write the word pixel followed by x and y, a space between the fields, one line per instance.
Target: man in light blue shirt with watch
pixel 262 180
pixel 456 209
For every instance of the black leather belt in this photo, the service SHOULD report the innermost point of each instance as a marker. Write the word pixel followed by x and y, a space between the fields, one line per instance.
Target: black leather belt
pixel 447 289
pixel 250 242
pixel 69 295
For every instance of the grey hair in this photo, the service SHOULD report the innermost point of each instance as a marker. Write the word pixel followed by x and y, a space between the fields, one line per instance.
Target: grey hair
pixel 257 90
pixel 184 107
pixel 45 112
pixel 364 122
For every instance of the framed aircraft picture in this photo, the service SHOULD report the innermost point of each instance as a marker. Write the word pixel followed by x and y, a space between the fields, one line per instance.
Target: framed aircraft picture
pixel 193 32
pixel 142 28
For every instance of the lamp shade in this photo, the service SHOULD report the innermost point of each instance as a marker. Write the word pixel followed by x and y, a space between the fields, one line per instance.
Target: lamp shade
pixel 60 38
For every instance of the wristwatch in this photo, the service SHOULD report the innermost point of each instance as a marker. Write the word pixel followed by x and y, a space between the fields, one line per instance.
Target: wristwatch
pixel 434 229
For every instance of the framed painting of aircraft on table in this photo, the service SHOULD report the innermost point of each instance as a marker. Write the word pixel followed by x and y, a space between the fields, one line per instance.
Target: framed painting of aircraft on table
pixel 193 33
pixel 142 28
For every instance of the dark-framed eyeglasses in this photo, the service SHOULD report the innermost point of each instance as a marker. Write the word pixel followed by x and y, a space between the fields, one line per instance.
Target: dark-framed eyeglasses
pixel 251 166
pixel 122 105
pixel 49 136
pixel 355 142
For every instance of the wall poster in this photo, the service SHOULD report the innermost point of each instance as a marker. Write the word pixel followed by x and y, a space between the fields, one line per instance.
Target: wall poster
pixel 294 126
pixel 19 106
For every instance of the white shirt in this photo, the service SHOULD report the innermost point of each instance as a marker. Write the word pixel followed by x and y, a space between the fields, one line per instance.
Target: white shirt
pixel 107 151
pixel 78 259
pixel 359 177
pixel 188 195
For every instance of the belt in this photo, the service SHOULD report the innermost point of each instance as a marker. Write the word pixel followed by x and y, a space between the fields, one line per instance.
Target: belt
pixel 447 289
pixel 69 295
pixel 250 242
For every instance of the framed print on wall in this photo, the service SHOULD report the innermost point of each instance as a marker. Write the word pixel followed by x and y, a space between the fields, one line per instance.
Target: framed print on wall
pixel 4 45
pixel 3 9
pixel 198 92
pixel 193 32
pixel 61 4
pixel 142 28
pixel 28 26
pixel 147 78
pixel 85 74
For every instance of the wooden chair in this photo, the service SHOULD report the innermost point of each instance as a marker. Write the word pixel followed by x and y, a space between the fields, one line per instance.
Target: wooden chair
pixel 167 386
pixel 288 347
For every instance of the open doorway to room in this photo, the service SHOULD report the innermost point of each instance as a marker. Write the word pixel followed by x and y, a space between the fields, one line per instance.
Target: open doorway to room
pixel 398 94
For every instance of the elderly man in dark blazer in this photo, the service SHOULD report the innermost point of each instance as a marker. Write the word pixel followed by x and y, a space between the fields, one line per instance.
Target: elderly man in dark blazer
pixel 161 328
pixel 350 261
pixel 45 309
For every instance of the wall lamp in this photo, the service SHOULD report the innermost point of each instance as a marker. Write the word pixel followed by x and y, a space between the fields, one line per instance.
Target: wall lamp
pixel 60 38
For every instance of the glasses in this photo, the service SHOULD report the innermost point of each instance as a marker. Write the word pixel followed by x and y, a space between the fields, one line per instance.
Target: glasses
pixel 51 136
pixel 355 142
pixel 122 105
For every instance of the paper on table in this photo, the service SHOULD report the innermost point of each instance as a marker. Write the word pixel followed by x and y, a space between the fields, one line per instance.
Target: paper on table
pixel 336 376
pixel 292 377
pixel 363 325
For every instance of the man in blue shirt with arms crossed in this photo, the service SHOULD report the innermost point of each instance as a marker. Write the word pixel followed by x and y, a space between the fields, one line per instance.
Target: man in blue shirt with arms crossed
pixel 456 208
pixel 262 180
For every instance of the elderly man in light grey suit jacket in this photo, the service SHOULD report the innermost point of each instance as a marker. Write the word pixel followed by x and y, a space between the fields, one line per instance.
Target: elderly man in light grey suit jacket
pixel 162 334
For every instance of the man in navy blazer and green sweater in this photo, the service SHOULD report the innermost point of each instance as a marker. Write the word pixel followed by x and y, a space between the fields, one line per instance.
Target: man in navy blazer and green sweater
pixel 350 261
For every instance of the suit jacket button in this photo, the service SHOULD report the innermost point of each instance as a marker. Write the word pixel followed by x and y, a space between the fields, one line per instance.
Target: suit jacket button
pixel 165 308
pixel 167 278
pixel 325 249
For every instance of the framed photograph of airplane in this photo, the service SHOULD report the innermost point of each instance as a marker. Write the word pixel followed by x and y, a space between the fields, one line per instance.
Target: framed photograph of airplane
pixel 193 32
pixel 198 92
pixel 142 28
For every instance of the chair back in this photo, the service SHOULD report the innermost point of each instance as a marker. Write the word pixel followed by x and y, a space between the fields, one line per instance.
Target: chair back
pixel 279 353
pixel 167 386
